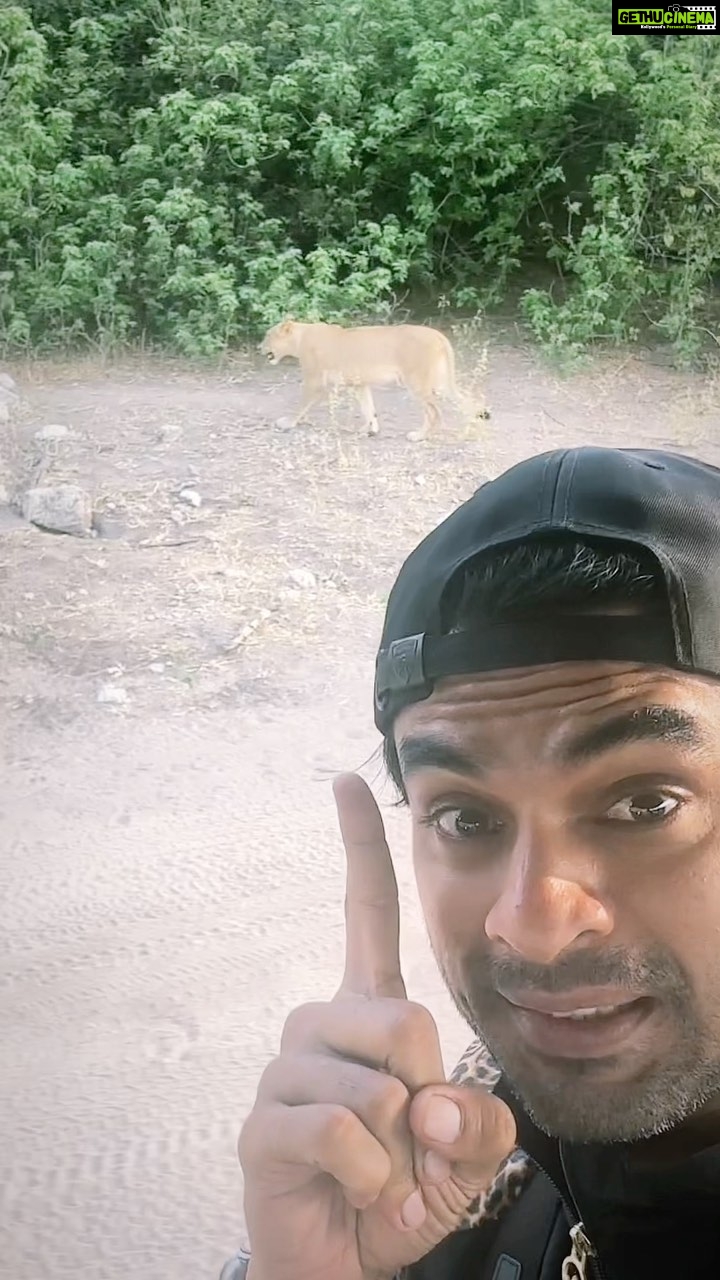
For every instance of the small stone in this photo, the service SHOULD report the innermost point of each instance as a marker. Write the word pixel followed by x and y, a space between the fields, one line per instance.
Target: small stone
pixel 113 695
pixel 4 413
pixel 52 432
pixel 8 384
pixel 168 432
pixel 303 578
pixel 248 630
pixel 421 480
pixel 157 668
pixel 284 424
pixel 191 496
pixel 63 508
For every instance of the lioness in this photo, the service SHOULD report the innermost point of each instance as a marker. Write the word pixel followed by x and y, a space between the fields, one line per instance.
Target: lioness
pixel 409 355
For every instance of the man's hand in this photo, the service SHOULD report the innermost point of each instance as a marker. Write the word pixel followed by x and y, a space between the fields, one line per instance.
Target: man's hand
pixel 358 1156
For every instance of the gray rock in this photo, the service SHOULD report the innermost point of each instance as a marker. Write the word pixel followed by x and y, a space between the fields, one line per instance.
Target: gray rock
pixel 112 695
pixel 191 496
pixel 63 508
pixel 8 384
pixel 303 578
pixel 53 431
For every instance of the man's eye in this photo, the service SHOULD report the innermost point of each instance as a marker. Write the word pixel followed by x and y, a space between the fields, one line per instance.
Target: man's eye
pixel 645 807
pixel 466 824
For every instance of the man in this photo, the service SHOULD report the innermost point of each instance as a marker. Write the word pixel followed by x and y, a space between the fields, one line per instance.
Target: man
pixel 547 690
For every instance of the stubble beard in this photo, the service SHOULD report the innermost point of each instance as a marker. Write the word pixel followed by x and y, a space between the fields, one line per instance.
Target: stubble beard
pixel 588 1100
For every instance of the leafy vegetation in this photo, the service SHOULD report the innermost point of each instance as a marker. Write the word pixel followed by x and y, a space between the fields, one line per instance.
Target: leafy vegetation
pixel 188 171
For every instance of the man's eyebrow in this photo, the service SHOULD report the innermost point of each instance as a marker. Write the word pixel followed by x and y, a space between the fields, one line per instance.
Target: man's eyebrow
pixel 418 752
pixel 643 724
pixel 431 751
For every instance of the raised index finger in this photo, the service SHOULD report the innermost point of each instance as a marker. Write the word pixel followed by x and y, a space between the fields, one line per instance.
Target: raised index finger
pixel 372 912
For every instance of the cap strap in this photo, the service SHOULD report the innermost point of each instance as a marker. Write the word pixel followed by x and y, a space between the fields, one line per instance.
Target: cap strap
pixel 415 662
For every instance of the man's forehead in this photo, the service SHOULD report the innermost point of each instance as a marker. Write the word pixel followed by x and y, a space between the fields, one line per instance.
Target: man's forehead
pixel 569 711
pixel 575 687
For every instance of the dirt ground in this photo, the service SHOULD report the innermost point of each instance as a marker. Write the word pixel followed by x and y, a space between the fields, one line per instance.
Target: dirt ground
pixel 170 876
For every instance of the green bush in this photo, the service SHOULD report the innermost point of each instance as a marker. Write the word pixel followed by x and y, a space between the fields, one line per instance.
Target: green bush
pixel 186 172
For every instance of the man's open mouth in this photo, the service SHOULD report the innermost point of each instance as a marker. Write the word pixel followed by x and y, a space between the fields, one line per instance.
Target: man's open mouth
pixel 570 1026
pixel 582 1015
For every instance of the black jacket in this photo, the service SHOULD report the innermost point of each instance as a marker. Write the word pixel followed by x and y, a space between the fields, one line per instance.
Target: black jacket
pixel 635 1221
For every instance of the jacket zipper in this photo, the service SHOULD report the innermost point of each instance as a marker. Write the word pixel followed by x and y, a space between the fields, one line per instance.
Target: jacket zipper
pixel 582 1263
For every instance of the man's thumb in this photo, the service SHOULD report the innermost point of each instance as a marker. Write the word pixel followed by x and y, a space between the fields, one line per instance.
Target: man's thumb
pixel 471 1128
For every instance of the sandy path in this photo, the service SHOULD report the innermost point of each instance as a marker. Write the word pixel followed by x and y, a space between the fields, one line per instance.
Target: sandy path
pixel 168 891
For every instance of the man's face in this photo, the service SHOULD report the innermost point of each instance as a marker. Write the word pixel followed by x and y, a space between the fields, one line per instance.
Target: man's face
pixel 566 826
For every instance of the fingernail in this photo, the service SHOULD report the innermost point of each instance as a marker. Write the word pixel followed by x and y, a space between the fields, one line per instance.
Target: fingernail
pixel 436 1167
pixel 443 1121
pixel 413 1211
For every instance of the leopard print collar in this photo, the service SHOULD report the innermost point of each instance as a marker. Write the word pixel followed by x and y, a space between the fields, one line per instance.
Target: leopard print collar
pixel 477 1066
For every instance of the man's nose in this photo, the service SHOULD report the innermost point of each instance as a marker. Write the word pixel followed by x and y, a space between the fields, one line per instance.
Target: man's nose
pixel 549 898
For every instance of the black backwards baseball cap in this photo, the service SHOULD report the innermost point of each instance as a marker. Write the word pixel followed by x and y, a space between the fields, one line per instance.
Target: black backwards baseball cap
pixel 663 504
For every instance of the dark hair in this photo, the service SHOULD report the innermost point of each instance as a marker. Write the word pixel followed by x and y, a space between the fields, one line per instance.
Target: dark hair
pixel 520 582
